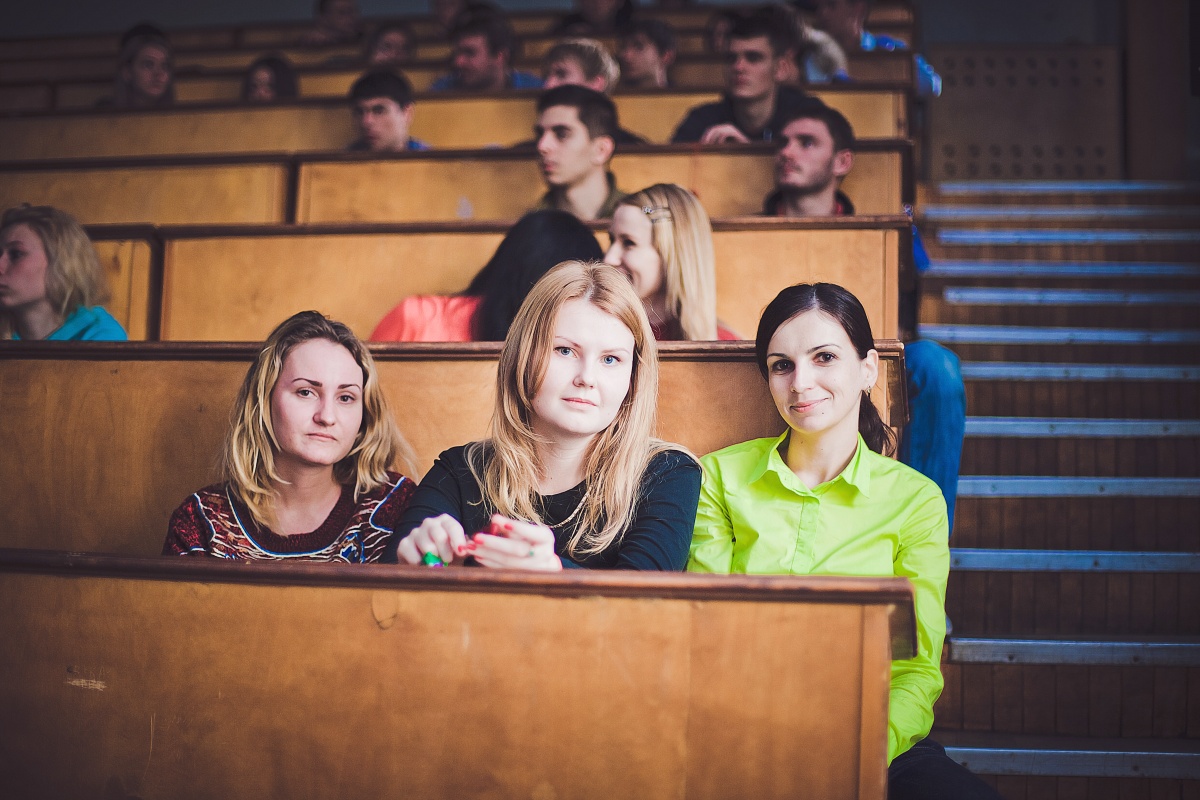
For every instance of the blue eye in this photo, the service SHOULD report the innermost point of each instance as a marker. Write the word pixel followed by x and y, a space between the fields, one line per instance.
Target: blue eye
pixel 562 350
pixel 611 360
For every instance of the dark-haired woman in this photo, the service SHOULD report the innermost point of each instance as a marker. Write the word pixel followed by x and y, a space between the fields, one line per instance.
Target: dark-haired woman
pixel 536 243
pixel 824 499
pixel 270 79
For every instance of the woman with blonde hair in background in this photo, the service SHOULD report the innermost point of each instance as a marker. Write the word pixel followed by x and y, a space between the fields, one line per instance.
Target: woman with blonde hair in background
pixel 51 281
pixel 662 240
pixel 570 475
pixel 305 462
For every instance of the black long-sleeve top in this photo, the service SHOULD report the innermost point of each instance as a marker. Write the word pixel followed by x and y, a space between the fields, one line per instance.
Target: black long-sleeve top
pixel 657 539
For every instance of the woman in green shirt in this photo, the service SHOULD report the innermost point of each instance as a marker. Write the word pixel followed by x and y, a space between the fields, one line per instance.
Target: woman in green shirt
pixel 824 499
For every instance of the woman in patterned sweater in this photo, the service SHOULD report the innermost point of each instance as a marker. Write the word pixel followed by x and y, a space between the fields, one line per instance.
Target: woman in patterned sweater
pixel 305 463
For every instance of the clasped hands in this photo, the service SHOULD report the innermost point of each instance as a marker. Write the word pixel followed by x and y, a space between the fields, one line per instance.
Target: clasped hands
pixel 506 543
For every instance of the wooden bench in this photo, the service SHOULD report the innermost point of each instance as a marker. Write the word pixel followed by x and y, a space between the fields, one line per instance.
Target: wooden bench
pixel 209 86
pixel 486 184
pixel 258 276
pixel 171 190
pixel 730 181
pixel 132 429
pixel 157 677
pixel 442 120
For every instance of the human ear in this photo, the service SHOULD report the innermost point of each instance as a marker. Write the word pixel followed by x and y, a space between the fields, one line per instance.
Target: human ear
pixel 843 162
pixel 870 369
pixel 602 149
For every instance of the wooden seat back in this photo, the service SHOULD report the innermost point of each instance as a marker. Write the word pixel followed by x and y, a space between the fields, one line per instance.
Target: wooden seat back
pixel 481 185
pixel 445 121
pixel 156 677
pixel 258 276
pixel 105 440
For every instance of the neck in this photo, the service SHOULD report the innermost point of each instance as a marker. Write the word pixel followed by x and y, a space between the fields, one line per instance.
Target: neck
pixel 305 497
pixel 586 198
pixel 36 321
pixel 656 308
pixel 822 203
pixel 820 459
pixel 753 115
pixel 562 463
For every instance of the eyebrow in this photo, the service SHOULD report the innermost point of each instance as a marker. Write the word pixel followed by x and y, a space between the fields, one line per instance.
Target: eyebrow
pixel 810 350
pixel 318 384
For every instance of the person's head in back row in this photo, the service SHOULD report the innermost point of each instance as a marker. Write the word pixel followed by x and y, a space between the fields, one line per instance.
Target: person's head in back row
pixel 336 21
pixel 391 45
pixel 761 55
pixel 582 62
pixel 145 74
pixel 483 47
pixel 270 79
pixel 382 104
pixel 575 137
pixel 815 152
pixel 51 281
pixel 646 51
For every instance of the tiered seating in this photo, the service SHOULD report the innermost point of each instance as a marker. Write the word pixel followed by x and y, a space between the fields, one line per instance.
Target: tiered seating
pixel 160 675
pixel 455 185
pixel 139 409
pixel 444 121
pixel 260 275
pixel 1073 589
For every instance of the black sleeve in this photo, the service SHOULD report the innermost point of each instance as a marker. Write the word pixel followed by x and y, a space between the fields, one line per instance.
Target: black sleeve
pixel 661 532
pixel 692 128
pixel 440 492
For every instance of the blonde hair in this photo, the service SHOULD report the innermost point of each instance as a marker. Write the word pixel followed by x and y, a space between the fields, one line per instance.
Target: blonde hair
pixel 682 236
pixel 593 58
pixel 74 277
pixel 507 465
pixel 248 458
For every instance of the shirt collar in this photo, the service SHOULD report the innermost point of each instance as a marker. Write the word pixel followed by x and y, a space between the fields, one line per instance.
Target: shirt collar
pixel 857 473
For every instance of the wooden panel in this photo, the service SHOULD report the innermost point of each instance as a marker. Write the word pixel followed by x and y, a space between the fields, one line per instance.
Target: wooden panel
pixel 155 417
pixel 127 267
pixel 359 277
pixel 25 97
pixel 159 687
pixel 443 121
pixel 730 183
pixel 1027 112
pixel 211 194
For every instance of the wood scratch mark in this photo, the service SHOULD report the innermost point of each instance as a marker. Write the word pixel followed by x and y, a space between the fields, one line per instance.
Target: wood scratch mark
pixel 149 755
pixel 85 683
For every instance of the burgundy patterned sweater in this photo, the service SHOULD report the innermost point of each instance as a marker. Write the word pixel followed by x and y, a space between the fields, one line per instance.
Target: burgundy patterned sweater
pixel 212 522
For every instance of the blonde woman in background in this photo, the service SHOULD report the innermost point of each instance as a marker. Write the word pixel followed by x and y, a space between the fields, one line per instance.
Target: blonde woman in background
pixel 305 463
pixel 51 282
pixel 570 475
pixel 662 240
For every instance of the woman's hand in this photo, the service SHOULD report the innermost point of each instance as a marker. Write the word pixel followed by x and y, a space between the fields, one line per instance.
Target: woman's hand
pixel 515 545
pixel 442 535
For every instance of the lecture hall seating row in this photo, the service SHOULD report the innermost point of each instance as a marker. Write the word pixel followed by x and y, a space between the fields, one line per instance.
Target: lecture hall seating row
pixel 885 17
pixel 731 181
pixel 224 83
pixel 444 121
pixel 154 414
pixel 166 282
pixel 156 677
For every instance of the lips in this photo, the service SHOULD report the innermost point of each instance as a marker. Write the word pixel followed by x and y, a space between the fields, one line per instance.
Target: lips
pixel 580 401
pixel 324 437
pixel 805 407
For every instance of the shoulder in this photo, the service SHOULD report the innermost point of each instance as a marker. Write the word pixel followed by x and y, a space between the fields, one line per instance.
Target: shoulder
pixel 899 482
pixel 91 324
pixel 742 452
pixel 443 83
pixel 427 317
pixel 389 500
pixel 525 80
pixel 417 144
pixel 671 461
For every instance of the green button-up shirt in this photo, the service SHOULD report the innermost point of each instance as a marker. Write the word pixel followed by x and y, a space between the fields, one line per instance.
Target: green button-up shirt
pixel 878 518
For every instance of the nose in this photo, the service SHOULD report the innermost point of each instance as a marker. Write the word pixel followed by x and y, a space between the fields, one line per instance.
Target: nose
pixel 802 378
pixel 544 142
pixel 586 375
pixel 612 256
pixel 324 413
